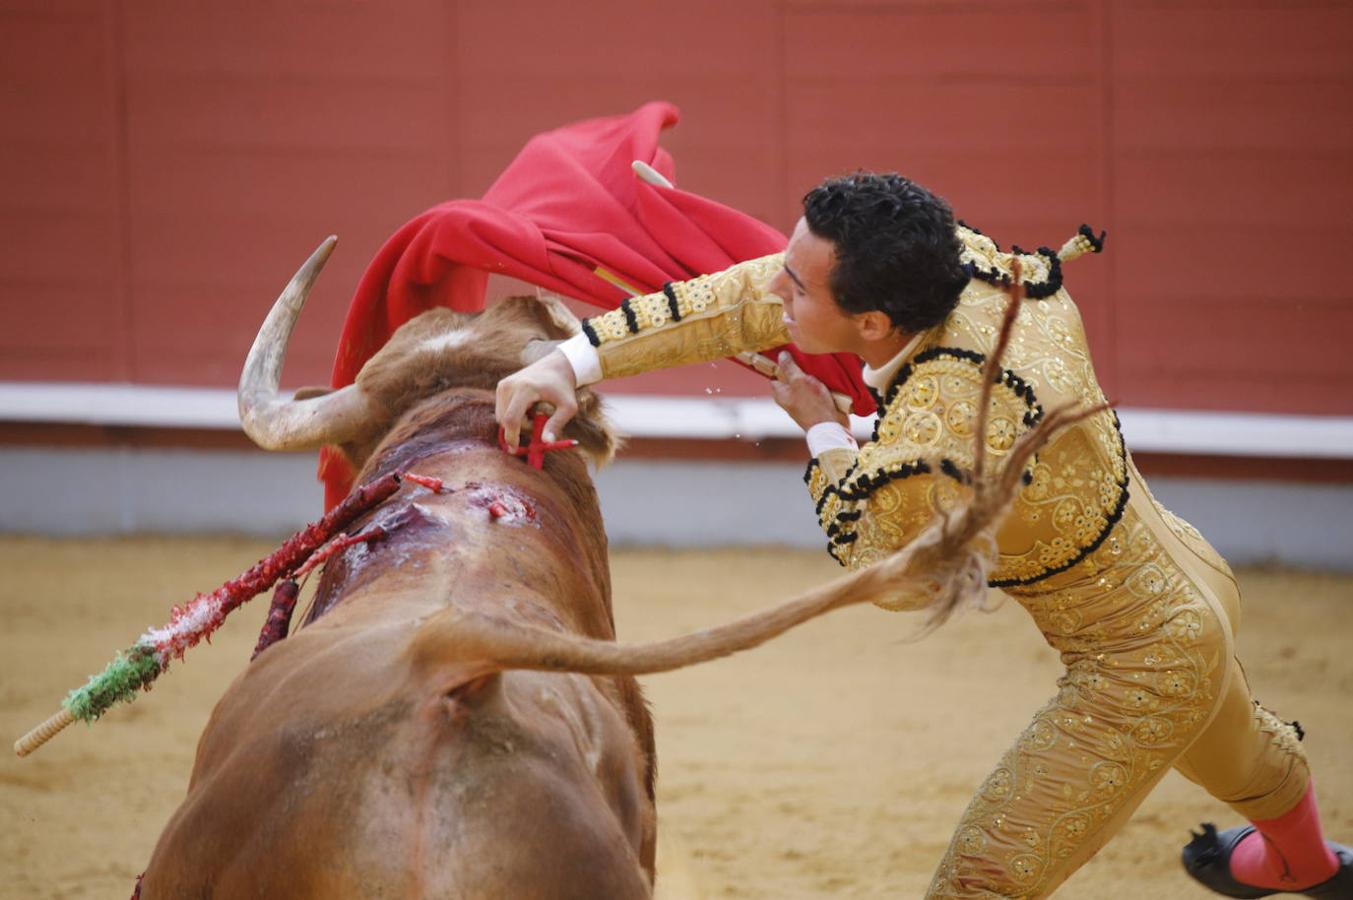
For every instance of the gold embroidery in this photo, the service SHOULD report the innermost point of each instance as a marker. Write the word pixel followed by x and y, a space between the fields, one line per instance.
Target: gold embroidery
pixel 609 327
pixel 715 316
pixel 1078 484
pixel 1143 672
pixel 1284 734
pixel 693 297
pixel 651 311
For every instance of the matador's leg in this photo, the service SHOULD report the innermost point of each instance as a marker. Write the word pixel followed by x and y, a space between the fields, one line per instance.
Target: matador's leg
pixel 1247 757
pixel 1091 755
pixel 1250 759
pixel 1055 798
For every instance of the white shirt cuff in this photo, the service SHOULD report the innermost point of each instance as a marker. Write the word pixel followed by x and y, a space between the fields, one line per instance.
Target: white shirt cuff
pixel 583 358
pixel 829 436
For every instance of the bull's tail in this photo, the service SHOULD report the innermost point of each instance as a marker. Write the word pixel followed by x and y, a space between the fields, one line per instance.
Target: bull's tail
pixel 928 569
pixel 941 569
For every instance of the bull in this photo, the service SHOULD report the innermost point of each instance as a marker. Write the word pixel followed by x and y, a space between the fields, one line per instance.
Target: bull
pixel 341 764
pixel 454 718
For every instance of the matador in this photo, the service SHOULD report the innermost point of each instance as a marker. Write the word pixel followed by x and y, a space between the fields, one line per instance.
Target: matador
pixel 1141 608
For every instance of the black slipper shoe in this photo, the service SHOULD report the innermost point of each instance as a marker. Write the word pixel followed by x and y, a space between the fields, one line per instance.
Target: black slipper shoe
pixel 1207 858
pixel 1338 886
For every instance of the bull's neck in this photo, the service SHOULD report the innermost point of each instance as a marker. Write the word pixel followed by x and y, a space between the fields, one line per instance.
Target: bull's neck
pixel 530 532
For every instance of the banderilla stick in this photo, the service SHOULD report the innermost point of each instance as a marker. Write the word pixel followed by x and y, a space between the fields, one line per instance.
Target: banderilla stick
pixel 141 663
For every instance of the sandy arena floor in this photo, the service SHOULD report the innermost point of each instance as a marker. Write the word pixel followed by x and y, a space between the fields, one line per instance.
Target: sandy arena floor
pixel 831 763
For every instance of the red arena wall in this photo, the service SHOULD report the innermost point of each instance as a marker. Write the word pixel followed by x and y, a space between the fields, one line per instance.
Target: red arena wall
pixel 169 165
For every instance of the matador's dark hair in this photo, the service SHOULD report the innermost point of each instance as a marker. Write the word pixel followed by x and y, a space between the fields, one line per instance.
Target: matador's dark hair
pixel 896 250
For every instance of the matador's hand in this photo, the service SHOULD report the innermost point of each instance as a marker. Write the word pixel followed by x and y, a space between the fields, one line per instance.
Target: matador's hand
pixel 806 399
pixel 549 379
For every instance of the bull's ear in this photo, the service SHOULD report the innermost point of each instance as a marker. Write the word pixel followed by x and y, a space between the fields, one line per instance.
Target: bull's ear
pixel 592 430
pixel 535 350
pixel 559 320
pixel 311 391
pixel 544 314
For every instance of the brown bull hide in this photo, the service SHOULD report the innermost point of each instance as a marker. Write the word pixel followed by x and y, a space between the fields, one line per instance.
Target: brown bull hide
pixel 341 765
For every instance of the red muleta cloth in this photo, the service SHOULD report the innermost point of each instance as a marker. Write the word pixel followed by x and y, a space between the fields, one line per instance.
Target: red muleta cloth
pixel 568 203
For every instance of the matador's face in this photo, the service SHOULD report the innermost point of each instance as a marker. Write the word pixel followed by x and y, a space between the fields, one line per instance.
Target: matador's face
pixel 816 322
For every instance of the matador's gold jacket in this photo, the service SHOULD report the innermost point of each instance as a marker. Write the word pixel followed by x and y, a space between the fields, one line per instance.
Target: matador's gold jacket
pixel 872 501
pixel 1141 608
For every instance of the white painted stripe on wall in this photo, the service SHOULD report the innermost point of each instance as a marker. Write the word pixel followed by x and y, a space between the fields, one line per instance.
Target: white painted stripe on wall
pixel 118 404
pixel 70 491
pixel 749 419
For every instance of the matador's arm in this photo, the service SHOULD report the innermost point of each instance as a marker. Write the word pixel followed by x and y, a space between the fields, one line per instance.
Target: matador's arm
pixel 706 318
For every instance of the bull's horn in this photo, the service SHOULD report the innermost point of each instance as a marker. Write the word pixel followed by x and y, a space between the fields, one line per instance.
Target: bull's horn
pixel 277 424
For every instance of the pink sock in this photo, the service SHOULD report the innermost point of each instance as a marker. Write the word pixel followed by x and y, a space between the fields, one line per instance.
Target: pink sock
pixel 1288 852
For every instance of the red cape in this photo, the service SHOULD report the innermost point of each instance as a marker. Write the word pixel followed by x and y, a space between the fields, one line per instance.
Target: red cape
pixel 568 203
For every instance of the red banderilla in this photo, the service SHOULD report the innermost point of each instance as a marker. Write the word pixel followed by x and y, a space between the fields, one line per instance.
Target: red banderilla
pixel 534 452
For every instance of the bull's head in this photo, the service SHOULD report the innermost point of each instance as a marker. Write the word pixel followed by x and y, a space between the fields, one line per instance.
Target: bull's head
pixel 431 353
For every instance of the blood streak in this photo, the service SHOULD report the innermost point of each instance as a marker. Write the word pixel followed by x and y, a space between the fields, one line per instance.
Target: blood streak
pixel 504 505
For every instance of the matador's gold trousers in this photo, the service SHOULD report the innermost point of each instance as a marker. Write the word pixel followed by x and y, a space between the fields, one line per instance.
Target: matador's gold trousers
pixel 1146 629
